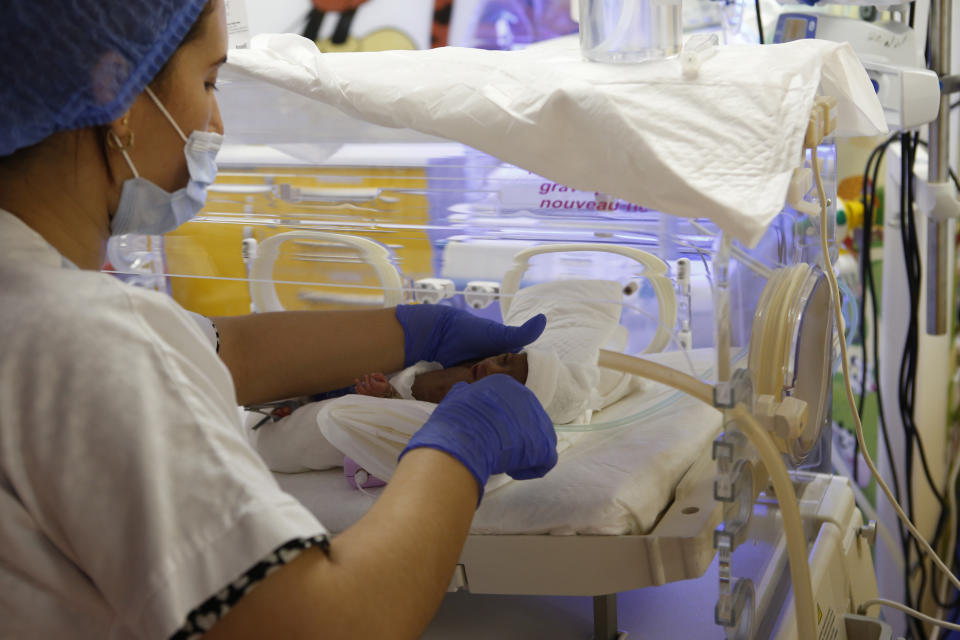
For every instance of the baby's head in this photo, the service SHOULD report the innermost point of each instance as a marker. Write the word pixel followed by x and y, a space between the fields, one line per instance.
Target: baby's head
pixel 563 389
pixel 511 364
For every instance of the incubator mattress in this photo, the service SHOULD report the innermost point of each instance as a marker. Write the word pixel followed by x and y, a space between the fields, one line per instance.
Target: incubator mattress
pixel 609 482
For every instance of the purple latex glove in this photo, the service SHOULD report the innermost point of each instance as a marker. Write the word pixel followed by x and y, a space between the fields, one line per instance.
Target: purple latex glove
pixel 495 425
pixel 450 336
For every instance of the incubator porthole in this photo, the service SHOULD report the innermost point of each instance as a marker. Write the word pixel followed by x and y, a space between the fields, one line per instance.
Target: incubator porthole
pixel 791 350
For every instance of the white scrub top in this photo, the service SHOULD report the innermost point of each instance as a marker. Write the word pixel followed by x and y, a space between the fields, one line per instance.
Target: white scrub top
pixel 129 494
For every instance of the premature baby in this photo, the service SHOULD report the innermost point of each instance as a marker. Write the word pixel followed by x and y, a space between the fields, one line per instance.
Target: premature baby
pixel 294 443
pixel 428 381
pixel 565 390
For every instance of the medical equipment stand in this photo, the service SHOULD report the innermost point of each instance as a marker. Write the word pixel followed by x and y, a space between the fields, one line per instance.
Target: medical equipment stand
pixel 839 556
pixel 605 618
pixel 938 209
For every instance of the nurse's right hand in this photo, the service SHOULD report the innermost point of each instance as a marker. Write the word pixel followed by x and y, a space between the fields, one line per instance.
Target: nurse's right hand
pixel 495 425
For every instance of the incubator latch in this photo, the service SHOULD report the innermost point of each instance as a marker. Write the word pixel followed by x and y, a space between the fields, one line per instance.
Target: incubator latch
pixel 433 290
pixel 480 294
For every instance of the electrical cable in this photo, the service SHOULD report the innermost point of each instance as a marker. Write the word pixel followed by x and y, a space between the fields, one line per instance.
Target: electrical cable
pixel 870 204
pixel 869 199
pixel 881 602
pixel 915 354
pixel 863 264
pixel 903 402
pixel 947 512
pixel 759 21
pixel 941 597
pixel 909 362
pixel 908 365
pixel 925 546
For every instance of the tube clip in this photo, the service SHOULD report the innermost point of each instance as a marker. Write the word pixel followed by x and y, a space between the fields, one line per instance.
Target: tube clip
pixel 737 390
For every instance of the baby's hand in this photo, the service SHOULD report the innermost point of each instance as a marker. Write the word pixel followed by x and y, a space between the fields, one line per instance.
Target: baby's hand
pixel 374 384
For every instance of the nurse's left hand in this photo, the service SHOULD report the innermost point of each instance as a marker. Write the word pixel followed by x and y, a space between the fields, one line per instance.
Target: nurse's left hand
pixel 450 336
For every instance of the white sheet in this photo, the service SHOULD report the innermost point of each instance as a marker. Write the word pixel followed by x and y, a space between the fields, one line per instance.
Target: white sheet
pixel 723 144
pixel 609 482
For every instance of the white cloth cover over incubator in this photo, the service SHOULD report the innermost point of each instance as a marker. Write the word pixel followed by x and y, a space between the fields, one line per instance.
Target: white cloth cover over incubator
pixel 722 144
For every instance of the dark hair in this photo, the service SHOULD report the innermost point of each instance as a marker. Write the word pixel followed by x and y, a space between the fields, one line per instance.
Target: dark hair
pixel 196 29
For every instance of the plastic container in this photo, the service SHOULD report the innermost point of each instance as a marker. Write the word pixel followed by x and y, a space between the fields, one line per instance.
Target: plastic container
pixel 630 30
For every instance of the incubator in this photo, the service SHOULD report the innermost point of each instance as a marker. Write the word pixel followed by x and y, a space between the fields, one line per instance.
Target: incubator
pixel 318 208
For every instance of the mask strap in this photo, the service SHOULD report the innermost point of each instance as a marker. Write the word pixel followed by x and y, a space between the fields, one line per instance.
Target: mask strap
pixel 166 113
pixel 116 144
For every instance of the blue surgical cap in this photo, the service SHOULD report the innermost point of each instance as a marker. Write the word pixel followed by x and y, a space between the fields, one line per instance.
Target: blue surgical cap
pixel 67 64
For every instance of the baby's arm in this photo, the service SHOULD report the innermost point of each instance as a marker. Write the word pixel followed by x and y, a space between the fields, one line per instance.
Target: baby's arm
pixel 376 385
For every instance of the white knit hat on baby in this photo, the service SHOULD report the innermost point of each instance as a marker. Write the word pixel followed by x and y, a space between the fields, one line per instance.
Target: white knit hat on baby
pixel 566 390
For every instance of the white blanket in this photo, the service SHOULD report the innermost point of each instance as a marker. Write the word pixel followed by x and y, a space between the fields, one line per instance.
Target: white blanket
pixel 722 144
pixel 374 431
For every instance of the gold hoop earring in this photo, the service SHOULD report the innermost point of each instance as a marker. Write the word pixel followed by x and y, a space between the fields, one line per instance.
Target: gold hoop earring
pixel 114 141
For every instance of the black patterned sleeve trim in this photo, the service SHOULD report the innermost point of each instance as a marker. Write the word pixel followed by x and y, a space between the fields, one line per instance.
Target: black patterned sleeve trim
pixel 202 618
pixel 216 332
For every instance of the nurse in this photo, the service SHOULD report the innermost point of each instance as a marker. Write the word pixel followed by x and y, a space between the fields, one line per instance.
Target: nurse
pixel 131 505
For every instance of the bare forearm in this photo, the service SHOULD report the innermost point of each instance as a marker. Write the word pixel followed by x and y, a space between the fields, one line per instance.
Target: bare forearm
pixel 385 576
pixel 281 355
pixel 419 525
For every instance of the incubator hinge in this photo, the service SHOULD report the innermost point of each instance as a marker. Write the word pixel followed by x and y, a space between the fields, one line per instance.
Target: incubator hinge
pixel 785 418
pixel 433 290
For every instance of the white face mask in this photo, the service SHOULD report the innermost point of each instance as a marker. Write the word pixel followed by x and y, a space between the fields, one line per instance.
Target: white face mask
pixel 146 208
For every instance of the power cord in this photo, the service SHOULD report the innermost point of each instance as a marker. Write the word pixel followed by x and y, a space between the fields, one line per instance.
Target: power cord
pixel 881 602
pixel 869 198
pixel 831 277
pixel 759 21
